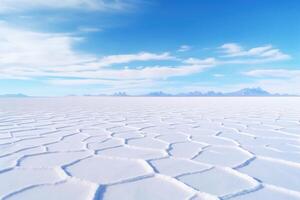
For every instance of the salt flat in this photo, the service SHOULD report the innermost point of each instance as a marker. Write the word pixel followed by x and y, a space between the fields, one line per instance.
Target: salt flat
pixel 150 148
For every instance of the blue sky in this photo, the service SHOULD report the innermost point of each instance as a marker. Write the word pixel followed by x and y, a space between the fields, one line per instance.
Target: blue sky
pixel 53 47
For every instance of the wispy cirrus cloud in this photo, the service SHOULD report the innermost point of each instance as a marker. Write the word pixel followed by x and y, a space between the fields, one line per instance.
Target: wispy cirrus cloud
pixel 86 29
pixel 8 6
pixel 126 58
pixel 184 48
pixel 197 61
pixel 266 52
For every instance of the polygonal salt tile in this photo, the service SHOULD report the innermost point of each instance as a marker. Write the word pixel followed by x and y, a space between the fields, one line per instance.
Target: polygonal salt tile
pixel 269 151
pixel 4 135
pixel 7 141
pixel 95 132
pixel 147 143
pixel 37 141
pixel 293 147
pixel 93 139
pixel 58 134
pixel 130 152
pixel 105 170
pixel 224 156
pixel 31 132
pixel 147 189
pixel 268 193
pixel 202 131
pixel 160 130
pixel 176 166
pixel 16 147
pixel 171 138
pixel 128 135
pixel 294 131
pixel 280 173
pixel 139 125
pixel 16 179
pixel 122 129
pixel 206 124
pixel 11 160
pixel 66 146
pixel 268 133
pixel 52 159
pixel 288 124
pixel 110 143
pixel 234 125
pixel 67 190
pixel 73 142
pixel 185 149
pixel 212 140
pixel 218 181
pixel 78 137
pixel 240 137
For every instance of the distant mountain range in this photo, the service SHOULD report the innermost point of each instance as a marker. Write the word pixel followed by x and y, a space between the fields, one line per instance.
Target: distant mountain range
pixel 254 92
pixel 246 92
pixel 14 95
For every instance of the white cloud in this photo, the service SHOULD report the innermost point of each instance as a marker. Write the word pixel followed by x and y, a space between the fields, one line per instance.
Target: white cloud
pixel 267 52
pixel 8 6
pixel 23 48
pixel 231 48
pixel 154 72
pixel 26 54
pixel 72 82
pixel 126 58
pixel 184 48
pixel 196 61
pixel 89 29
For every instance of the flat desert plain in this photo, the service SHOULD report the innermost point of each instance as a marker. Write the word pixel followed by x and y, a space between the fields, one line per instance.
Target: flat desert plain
pixel 146 148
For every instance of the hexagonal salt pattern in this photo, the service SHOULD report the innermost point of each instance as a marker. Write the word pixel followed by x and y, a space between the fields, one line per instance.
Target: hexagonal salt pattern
pixel 105 170
pixel 150 148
